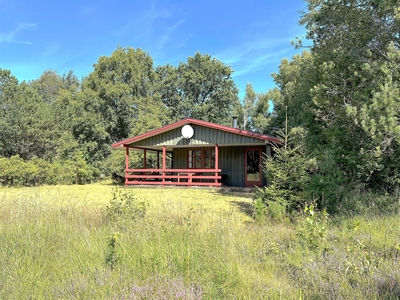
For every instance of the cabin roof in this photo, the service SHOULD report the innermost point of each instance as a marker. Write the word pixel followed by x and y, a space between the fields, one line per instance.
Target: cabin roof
pixel 189 121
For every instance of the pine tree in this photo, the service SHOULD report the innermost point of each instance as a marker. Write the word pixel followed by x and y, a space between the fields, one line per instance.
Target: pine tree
pixel 286 172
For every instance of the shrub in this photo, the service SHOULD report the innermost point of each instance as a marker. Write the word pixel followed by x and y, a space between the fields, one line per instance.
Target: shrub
pixel 287 177
pixel 12 170
pixel 312 229
pixel 124 207
pixel 112 256
pixel 15 171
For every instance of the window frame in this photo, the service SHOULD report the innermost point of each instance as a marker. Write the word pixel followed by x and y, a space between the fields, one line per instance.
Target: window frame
pixel 200 157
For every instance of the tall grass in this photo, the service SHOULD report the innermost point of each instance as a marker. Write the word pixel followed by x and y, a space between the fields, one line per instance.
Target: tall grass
pixel 187 246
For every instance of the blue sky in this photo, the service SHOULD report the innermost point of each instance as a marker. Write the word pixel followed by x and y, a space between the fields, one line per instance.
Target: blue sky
pixel 251 36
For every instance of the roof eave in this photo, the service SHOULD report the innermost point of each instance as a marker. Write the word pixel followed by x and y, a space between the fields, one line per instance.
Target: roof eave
pixel 166 128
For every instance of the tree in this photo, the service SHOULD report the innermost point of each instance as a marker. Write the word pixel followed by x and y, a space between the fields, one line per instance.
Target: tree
pixel 343 92
pixel 56 93
pixel 261 114
pixel 25 123
pixel 248 105
pixel 71 82
pixel 287 177
pixel 201 88
pixel 9 93
pixel 48 86
pixel 123 87
pixel 171 96
pixel 356 47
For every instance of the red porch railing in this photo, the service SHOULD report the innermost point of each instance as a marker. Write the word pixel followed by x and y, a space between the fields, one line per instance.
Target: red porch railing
pixel 188 177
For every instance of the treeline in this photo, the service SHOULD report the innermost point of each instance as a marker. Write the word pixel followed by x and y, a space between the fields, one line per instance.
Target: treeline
pixel 341 95
pixel 71 123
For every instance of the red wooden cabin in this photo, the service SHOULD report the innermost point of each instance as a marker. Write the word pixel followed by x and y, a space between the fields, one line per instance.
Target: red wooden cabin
pixel 199 153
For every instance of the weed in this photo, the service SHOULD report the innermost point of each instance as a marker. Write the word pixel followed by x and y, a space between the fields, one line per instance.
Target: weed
pixel 360 259
pixel 125 207
pixel 112 256
pixel 313 229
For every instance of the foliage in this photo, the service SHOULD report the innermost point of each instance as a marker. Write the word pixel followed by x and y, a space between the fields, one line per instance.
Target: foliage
pixel 248 104
pixel 112 257
pixel 48 86
pixel 286 173
pixel 78 171
pixel 260 209
pixel 355 79
pixel 261 113
pixel 313 228
pixel 202 88
pixel 343 92
pixel 24 120
pixel 360 259
pixel 274 211
pixel 122 90
pixel 14 171
pixel 115 165
pixel 123 206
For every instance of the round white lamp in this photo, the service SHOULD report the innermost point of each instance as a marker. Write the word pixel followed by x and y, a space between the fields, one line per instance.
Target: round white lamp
pixel 187 131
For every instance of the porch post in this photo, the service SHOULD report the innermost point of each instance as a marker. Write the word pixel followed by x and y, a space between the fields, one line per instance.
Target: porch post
pixel 216 162
pixel 164 162
pixel 216 156
pixel 144 159
pixel 126 164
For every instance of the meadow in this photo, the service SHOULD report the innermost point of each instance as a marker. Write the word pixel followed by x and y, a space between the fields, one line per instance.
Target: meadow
pixel 99 241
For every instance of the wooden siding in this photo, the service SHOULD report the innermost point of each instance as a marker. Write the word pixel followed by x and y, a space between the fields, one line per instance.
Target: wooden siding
pixel 231 162
pixel 180 158
pixel 202 136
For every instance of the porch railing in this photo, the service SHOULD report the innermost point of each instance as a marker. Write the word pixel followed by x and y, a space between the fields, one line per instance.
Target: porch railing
pixel 188 177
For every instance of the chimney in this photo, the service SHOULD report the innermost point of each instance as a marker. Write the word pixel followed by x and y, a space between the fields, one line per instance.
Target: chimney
pixel 234 122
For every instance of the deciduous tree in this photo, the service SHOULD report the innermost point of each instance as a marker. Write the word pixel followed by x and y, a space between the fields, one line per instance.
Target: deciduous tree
pixel 123 87
pixel 201 88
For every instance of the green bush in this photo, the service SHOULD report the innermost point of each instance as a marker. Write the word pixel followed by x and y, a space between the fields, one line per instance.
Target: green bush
pixel 312 229
pixel 77 171
pixel 14 171
pixel 125 207
pixel 287 177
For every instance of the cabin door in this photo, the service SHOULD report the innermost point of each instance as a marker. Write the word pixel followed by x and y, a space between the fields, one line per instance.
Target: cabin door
pixel 253 171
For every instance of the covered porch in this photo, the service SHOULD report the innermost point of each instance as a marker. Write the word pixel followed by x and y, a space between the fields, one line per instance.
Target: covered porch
pixel 165 174
pixel 192 152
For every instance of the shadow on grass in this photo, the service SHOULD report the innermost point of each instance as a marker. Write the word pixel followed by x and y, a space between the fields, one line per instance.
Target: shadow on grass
pixel 243 192
pixel 244 207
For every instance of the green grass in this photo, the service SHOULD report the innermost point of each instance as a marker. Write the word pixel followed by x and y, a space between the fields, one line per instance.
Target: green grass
pixel 55 243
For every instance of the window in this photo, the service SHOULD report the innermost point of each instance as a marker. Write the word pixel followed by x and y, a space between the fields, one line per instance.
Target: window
pixel 202 158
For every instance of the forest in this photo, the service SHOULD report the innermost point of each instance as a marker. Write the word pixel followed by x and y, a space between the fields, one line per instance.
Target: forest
pixel 339 101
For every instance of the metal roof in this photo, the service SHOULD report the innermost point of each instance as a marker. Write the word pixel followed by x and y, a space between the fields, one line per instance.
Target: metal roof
pixel 188 121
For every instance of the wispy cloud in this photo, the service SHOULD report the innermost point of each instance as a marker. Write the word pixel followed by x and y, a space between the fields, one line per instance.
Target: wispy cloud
pixel 153 14
pixel 255 56
pixel 166 36
pixel 142 24
pixel 12 36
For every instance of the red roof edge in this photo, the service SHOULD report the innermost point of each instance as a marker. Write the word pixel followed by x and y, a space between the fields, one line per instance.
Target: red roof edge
pixel 197 122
